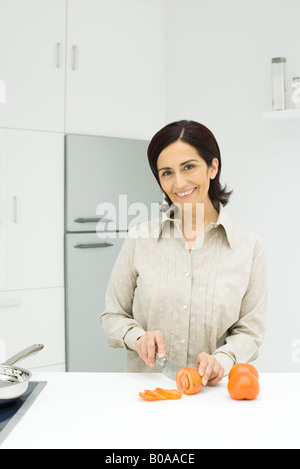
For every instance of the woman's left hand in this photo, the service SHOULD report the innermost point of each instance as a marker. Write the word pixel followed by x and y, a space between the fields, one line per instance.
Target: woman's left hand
pixel 209 368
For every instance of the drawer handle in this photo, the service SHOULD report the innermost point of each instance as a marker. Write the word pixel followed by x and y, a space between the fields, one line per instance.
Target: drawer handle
pixel 92 220
pixel 93 245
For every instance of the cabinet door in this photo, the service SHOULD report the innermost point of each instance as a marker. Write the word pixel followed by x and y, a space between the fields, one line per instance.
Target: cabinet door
pixel 32 42
pixel 35 209
pixel 89 262
pixel 115 79
pixel 106 168
pixel 31 317
pixel 3 211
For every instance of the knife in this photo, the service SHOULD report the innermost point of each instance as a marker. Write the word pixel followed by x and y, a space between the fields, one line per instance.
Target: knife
pixel 168 368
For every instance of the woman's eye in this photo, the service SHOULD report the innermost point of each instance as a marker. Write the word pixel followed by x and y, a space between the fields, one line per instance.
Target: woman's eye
pixel 166 173
pixel 188 166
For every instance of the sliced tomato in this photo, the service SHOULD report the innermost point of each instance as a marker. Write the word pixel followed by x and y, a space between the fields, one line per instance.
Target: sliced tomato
pixel 170 393
pixel 146 397
pixel 160 394
pixel 156 394
pixel 188 380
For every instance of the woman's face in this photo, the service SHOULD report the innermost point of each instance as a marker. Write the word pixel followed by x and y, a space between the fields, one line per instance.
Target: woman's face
pixel 184 175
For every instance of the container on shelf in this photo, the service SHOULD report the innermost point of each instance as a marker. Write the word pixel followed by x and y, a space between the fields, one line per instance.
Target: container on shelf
pixel 295 96
pixel 279 84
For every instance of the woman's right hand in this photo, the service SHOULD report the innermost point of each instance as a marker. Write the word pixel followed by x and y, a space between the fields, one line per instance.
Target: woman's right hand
pixel 148 344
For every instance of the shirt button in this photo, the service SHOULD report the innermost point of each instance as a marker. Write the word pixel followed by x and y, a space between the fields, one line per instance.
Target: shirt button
pixel 196 246
pixel 185 306
pixel 187 274
pixel 183 341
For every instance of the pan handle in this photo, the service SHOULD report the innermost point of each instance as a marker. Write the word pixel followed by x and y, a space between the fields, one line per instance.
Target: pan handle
pixel 23 354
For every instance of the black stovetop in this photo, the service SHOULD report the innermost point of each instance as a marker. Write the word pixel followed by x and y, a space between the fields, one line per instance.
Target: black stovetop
pixel 12 410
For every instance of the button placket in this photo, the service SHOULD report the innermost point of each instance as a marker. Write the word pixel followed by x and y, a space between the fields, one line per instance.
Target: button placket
pixel 183 333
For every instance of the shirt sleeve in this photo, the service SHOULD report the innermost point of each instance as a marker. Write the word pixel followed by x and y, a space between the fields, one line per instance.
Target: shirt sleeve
pixel 247 334
pixel 117 319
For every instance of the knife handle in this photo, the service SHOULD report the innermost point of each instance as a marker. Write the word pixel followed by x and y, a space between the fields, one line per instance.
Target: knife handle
pixel 161 361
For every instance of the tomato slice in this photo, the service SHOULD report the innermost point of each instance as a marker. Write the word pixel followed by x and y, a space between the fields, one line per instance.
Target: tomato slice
pixel 156 394
pixel 146 397
pixel 188 380
pixel 160 394
pixel 170 393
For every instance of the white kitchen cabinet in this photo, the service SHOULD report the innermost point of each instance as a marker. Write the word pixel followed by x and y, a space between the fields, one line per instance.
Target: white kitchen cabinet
pixel 33 316
pixel 3 222
pixel 32 63
pixel 32 199
pixel 115 79
pixel 83 66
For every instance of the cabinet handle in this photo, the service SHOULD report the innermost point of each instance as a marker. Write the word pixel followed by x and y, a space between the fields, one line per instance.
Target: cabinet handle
pixel 10 303
pixel 59 55
pixel 75 58
pixel 93 245
pixel 92 220
pixel 16 209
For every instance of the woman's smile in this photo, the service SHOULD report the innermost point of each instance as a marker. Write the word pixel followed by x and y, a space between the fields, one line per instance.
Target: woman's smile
pixel 186 194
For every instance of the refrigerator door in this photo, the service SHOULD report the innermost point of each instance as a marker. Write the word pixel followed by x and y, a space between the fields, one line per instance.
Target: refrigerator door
pixel 108 177
pixel 88 265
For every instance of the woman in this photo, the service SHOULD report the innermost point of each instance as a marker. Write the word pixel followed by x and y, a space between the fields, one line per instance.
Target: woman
pixel 191 285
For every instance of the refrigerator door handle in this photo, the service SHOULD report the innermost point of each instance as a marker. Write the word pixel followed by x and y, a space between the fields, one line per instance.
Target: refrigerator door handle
pixel 93 245
pixel 92 220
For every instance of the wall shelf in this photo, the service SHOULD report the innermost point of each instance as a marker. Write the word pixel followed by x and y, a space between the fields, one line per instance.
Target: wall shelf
pixel 282 115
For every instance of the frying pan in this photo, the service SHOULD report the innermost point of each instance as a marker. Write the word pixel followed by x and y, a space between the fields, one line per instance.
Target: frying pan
pixel 14 380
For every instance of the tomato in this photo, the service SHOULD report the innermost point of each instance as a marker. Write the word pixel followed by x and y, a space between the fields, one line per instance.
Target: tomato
pixel 188 380
pixel 244 368
pixel 243 385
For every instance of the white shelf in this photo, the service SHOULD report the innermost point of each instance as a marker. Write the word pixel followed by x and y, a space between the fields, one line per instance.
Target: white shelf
pixel 282 115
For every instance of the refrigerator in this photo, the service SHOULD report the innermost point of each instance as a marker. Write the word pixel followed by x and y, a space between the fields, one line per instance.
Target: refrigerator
pixel 107 182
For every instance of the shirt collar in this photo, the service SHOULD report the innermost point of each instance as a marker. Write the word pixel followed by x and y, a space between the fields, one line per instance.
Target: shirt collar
pixel 225 221
pixel 170 215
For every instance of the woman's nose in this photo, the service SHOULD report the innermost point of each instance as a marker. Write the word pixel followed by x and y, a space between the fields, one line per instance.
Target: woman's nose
pixel 180 181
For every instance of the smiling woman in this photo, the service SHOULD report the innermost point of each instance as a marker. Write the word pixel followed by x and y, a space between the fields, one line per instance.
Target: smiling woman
pixel 202 143
pixel 186 183
pixel 185 159
pixel 195 293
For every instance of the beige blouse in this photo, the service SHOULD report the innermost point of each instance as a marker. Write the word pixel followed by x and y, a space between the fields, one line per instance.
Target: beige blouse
pixel 211 299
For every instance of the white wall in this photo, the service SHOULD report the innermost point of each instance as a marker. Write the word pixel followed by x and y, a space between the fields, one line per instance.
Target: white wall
pixel 218 72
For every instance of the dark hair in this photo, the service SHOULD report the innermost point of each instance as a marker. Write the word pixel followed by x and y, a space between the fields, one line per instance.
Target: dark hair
pixel 202 139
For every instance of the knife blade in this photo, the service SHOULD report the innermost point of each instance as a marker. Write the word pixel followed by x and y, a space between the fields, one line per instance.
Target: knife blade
pixel 168 368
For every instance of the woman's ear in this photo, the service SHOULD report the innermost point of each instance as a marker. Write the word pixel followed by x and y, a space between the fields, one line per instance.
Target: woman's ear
pixel 214 168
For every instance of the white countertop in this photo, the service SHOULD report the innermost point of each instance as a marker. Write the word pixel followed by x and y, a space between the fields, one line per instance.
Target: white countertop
pixel 103 410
